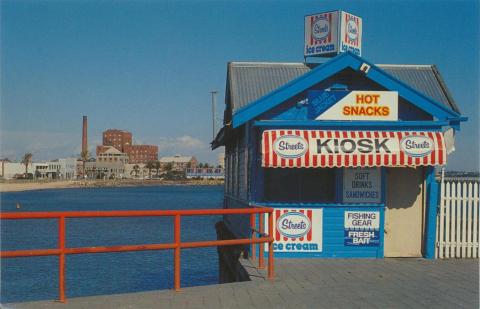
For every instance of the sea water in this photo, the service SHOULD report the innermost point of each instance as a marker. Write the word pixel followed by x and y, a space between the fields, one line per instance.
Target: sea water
pixel 36 278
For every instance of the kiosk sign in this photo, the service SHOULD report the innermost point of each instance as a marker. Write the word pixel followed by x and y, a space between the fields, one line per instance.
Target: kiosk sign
pixel 297 230
pixel 322 148
pixel 362 185
pixel 362 228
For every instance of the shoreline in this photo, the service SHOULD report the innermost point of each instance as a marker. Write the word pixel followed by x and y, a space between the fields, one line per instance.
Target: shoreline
pixel 16 186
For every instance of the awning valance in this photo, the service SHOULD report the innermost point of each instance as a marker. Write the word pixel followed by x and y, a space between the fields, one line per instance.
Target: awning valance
pixel 319 148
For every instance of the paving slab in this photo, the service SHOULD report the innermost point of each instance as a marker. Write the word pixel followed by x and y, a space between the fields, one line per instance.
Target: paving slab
pixel 314 283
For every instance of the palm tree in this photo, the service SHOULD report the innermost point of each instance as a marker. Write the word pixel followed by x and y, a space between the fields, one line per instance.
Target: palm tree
pixel 135 170
pixel 27 159
pixel 150 165
pixel 156 166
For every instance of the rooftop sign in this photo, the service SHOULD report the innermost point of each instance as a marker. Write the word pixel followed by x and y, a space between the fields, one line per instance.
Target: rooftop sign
pixel 330 33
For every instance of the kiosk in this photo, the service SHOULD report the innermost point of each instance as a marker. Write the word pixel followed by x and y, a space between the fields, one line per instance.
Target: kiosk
pixel 344 151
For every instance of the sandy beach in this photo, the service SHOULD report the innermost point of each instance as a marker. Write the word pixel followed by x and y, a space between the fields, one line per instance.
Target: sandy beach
pixel 15 186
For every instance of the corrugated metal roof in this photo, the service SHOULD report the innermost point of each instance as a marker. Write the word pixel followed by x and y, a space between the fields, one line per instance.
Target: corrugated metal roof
pixel 249 81
pixel 424 78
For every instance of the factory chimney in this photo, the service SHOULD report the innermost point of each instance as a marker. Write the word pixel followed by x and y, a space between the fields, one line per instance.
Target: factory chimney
pixel 84 135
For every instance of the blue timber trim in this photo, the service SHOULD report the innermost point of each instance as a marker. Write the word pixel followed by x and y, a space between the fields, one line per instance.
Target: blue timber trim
pixel 337 64
pixel 333 227
pixel 431 217
pixel 316 205
pixel 361 125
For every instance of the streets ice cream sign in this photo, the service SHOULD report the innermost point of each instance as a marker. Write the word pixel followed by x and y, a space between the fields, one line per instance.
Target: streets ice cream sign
pixel 315 148
pixel 332 32
pixel 297 230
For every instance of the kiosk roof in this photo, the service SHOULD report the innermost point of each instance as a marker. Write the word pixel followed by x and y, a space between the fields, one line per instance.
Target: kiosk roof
pixel 249 81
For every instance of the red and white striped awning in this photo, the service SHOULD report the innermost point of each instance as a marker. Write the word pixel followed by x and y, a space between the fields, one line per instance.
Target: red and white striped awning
pixel 316 148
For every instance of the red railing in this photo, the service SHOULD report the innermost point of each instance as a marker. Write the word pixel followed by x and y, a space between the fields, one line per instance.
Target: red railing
pixel 177 245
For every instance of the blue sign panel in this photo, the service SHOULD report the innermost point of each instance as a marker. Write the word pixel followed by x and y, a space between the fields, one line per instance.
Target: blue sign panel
pixel 362 238
pixel 321 100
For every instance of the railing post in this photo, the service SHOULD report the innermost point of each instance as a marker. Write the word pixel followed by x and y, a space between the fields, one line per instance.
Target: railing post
pixel 61 259
pixel 253 246
pixel 270 245
pixel 176 281
pixel 261 253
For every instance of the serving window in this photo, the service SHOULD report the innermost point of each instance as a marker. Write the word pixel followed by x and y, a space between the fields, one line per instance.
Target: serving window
pixel 299 185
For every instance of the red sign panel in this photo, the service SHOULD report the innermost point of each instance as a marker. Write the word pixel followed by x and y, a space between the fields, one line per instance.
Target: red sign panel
pixel 315 148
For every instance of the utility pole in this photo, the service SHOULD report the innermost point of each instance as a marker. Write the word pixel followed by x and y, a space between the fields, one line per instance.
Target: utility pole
pixel 214 97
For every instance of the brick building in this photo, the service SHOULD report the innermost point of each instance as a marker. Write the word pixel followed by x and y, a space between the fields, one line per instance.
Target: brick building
pixel 141 153
pixel 123 141
pixel 117 138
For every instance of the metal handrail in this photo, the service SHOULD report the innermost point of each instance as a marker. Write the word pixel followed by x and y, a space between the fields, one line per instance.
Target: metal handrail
pixel 177 245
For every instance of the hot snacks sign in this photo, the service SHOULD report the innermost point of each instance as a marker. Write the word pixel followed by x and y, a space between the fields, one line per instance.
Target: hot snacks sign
pixel 315 148
pixel 364 105
pixel 297 230
pixel 333 32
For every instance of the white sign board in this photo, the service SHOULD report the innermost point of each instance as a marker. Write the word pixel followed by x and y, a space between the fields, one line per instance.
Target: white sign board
pixel 364 105
pixel 362 185
pixel 362 228
pixel 297 230
pixel 362 220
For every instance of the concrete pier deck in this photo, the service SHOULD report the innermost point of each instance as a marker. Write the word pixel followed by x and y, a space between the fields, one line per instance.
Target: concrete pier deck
pixel 316 283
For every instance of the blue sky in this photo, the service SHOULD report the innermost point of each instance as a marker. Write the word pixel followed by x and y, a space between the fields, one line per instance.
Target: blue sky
pixel 148 66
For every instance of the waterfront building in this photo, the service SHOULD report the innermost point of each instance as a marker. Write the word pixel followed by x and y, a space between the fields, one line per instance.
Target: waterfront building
pixel 344 151
pixel 135 171
pixel 40 170
pixel 123 141
pixel 205 173
pixel 178 162
pixel 117 138
pixel 11 170
pixel 141 153
pixel 221 160
pixel 65 168
pixel 112 155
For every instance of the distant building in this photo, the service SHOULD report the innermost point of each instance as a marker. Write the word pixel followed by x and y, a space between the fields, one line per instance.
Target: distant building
pixel 205 173
pixel 11 170
pixel 135 171
pixel 178 163
pixel 58 169
pixel 122 141
pixel 221 160
pixel 141 153
pixel 40 170
pixel 117 138
pixel 112 155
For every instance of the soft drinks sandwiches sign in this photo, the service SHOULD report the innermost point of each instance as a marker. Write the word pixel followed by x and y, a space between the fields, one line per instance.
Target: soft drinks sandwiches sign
pixel 330 33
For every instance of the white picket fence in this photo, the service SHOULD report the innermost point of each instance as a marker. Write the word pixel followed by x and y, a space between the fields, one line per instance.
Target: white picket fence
pixel 458 219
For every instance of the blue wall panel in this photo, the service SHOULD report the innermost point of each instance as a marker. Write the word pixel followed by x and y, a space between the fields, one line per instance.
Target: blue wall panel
pixel 333 235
